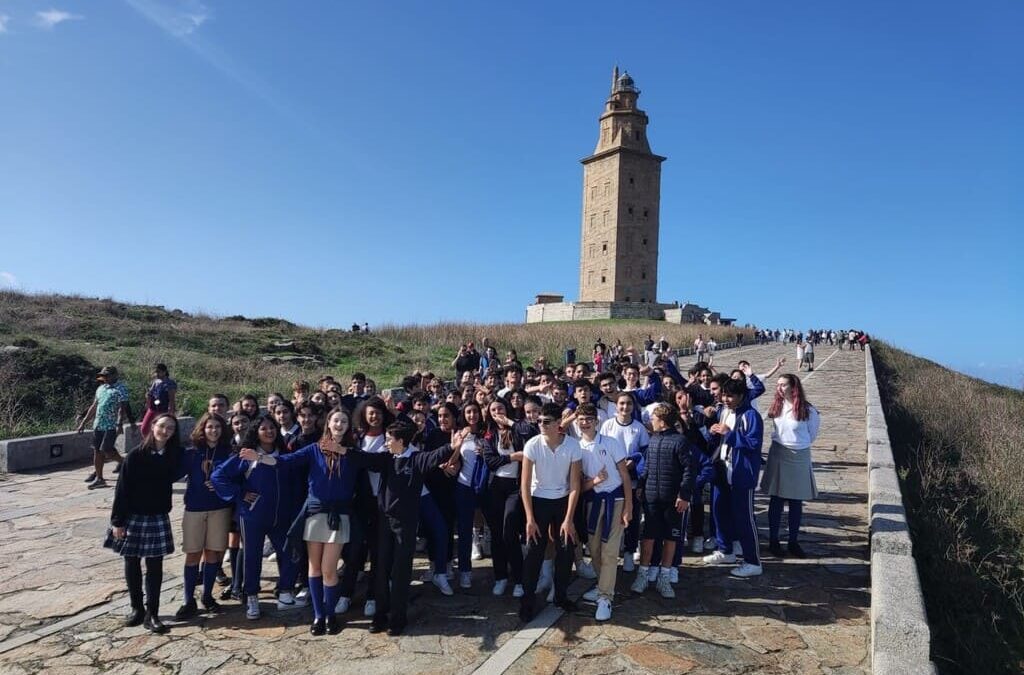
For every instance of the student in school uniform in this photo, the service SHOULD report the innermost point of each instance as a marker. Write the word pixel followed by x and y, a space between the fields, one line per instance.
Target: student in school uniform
pixel 139 523
pixel 789 474
pixel 668 489
pixel 324 521
pixel 550 490
pixel 634 436
pixel 609 504
pixel 739 430
pixel 261 499
pixel 502 501
pixel 401 469
pixel 469 488
pixel 207 517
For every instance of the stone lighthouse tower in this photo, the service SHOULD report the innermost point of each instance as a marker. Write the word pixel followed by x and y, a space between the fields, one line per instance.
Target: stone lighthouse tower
pixel 621 197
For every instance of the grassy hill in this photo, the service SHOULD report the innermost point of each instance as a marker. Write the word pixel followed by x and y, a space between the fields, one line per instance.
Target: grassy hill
pixel 960 445
pixel 52 345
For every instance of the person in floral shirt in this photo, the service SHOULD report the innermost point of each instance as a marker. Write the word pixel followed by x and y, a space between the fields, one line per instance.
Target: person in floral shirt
pixel 110 410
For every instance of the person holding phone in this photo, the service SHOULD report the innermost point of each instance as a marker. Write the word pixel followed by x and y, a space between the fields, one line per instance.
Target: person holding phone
pixel 550 490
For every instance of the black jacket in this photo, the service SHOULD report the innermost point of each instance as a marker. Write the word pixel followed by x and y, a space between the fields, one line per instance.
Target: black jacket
pixel 144 485
pixel 670 468
pixel 401 479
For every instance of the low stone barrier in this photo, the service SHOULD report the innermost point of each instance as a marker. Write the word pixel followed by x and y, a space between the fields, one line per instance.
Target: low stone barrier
pixel 39 452
pixel 900 637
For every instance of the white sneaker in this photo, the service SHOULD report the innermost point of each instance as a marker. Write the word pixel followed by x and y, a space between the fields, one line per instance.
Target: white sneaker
pixel 628 565
pixel 286 600
pixel 652 573
pixel 500 587
pixel 252 608
pixel 664 586
pixel 518 591
pixel 441 581
pixel 303 596
pixel 591 595
pixel 585 570
pixel 641 581
pixel 719 558
pixel 737 548
pixel 604 610
pixel 747 570
pixel 465 580
pixel 343 605
pixel 697 545
pixel 370 608
pixel 674 575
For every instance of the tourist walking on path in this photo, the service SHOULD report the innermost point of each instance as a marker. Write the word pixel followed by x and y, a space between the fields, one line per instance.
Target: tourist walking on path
pixel 139 523
pixel 110 409
pixel 160 398
pixel 789 474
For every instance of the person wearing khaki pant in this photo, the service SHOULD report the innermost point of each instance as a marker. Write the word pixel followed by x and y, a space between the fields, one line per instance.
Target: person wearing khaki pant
pixel 609 504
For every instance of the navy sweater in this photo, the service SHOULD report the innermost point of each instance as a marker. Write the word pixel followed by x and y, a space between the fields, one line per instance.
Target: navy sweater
pixel 198 495
pixel 260 495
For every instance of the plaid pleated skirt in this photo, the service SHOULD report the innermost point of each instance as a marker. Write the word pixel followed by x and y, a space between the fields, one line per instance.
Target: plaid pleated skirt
pixel 145 537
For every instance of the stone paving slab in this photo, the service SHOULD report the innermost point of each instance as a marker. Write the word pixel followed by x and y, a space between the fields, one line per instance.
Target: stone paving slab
pixel 62 597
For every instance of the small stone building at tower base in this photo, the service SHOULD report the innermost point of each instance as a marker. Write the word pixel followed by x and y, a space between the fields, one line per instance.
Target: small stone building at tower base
pixel 552 307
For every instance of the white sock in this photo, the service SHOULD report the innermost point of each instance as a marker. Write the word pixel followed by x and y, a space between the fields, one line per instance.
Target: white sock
pixel 666 571
pixel 643 569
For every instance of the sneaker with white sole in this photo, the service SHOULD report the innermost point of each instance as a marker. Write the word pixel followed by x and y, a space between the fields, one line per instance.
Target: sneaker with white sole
pixel 465 580
pixel 585 570
pixel 591 595
pixel 441 581
pixel 303 596
pixel 664 586
pixel 500 586
pixel 652 574
pixel 285 601
pixel 252 608
pixel 697 545
pixel 343 605
pixel 719 558
pixel 641 581
pixel 628 565
pixel 674 575
pixel 370 608
pixel 747 570
pixel 518 591
pixel 604 610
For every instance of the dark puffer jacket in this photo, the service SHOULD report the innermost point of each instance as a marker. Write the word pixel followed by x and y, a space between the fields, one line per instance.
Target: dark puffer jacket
pixel 671 469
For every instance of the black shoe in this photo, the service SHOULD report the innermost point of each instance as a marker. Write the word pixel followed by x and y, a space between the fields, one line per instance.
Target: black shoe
pixel 229 594
pixel 526 612
pixel 318 627
pixel 776 549
pixel 91 477
pixel 211 605
pixel 796 551
pixel 135 618
pixel 333 624
pixel 223 579
pixel 566 604
pixel 153 624
pixel 396 629
pixel 378 626
pixel 186 611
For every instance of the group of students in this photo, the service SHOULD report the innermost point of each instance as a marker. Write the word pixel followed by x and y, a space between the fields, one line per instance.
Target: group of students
pixel 547 469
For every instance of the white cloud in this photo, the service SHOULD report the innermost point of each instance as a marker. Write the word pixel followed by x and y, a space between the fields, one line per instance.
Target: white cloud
pixel 4 20
pixel 8 279
pixel 180 18
pixel 51 17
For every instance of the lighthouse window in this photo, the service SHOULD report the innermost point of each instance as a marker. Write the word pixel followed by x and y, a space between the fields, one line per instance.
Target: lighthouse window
pixel 645 213
pixel 636 135
pixel 630 209
pixel 645 241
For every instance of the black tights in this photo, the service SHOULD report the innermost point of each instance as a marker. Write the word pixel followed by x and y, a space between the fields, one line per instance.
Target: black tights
pixel 154 578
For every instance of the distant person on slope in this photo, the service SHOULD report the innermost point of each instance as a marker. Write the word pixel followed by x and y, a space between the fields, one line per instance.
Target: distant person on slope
pixel 161 396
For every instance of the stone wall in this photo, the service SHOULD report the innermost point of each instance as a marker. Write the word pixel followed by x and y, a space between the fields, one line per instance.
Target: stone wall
pixel 900 637
pixel 583 311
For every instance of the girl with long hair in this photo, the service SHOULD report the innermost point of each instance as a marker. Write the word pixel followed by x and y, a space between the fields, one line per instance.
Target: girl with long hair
pixel 140 526
pixel 502 502
pixel 469 487
pixel 789 473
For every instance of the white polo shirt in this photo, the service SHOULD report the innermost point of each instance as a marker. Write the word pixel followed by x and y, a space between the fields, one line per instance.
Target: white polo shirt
pixel 551 467
pixel 604 452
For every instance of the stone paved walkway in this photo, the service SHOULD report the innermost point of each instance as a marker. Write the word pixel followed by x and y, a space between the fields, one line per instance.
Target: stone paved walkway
pixel 61 594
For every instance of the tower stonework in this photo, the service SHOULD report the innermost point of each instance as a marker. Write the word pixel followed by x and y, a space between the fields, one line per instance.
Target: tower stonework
pixel 621 199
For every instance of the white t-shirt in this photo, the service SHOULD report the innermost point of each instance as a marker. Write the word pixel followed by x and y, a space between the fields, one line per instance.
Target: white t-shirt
pixel 469 460
pixel 510 470
pixel 728 418
pixel 792 433
pixel 604 452
pixel 633 436
pixel 373 444
pixel 551 467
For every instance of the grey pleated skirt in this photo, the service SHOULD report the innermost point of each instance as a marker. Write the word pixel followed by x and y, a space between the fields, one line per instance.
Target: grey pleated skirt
pixel 789 474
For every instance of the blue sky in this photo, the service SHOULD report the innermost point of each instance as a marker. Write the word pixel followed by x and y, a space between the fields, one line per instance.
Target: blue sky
pixel 829 164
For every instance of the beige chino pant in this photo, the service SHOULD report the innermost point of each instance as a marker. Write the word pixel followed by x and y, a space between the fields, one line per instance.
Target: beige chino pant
pixel 605 554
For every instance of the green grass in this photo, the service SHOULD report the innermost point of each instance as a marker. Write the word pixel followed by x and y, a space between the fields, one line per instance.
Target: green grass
pixel 209 355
